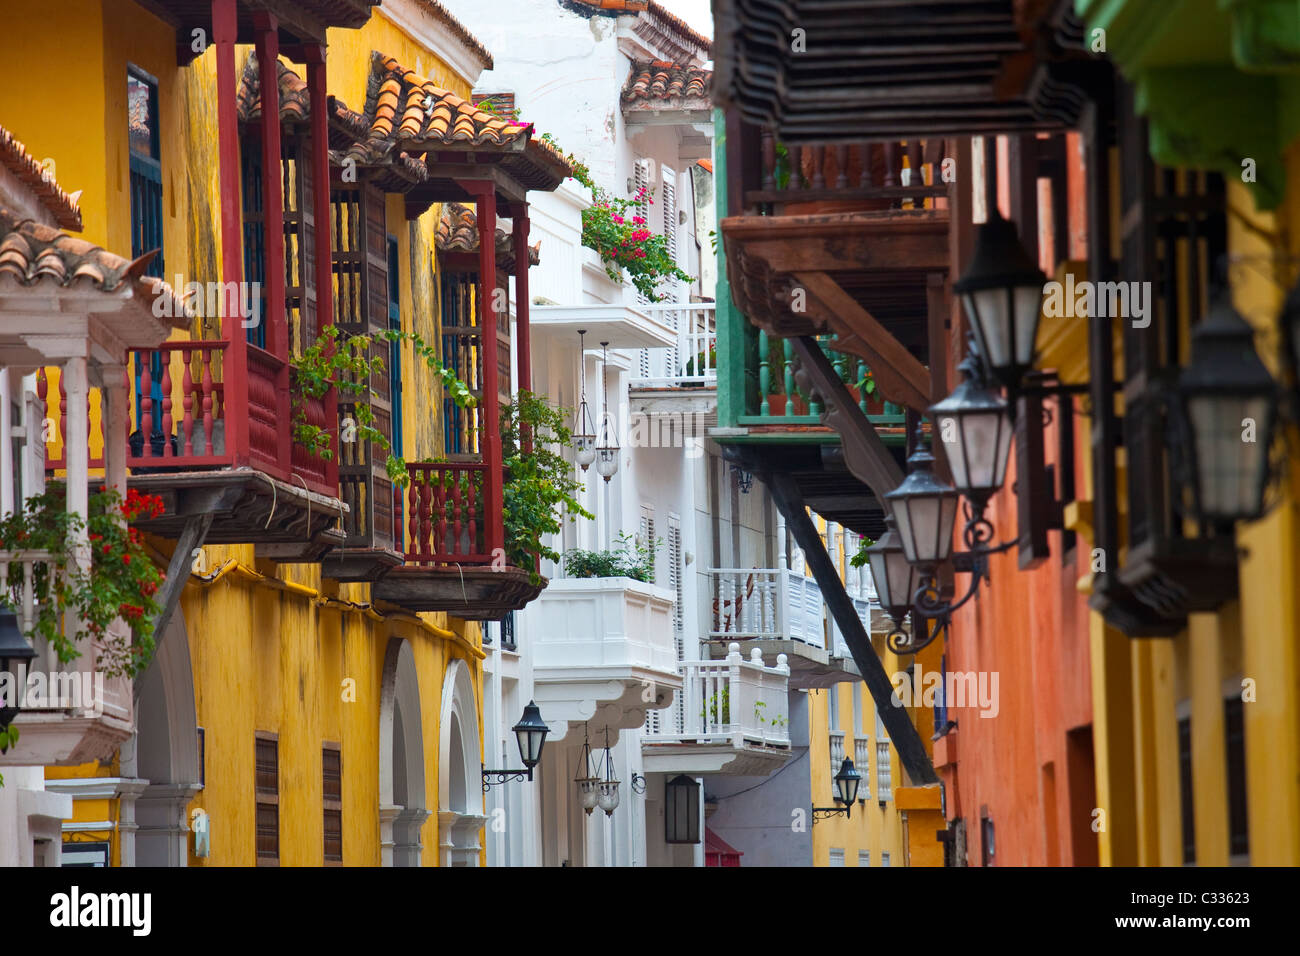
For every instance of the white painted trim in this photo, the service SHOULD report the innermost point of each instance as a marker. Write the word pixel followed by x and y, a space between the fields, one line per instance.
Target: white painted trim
pixel 434 37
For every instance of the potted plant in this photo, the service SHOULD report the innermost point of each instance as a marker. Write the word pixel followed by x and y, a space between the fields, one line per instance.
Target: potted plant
pixel 631 559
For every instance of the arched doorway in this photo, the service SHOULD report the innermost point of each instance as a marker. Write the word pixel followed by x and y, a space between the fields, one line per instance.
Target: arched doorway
pixel 402 808
pixel 460 770
pixel 166 755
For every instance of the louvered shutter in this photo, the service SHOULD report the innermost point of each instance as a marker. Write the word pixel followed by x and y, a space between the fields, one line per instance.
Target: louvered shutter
pixel 361 305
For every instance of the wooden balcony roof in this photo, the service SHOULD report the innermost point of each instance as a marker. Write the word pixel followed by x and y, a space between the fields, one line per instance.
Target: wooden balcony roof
pixel 301 21
pixel 900 68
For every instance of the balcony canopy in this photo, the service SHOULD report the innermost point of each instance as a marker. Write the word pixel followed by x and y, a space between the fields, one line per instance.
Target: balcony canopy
pixel 824 70
pixel 299 21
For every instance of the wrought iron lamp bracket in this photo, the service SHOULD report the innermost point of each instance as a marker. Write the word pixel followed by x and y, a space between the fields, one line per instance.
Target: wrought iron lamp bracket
pixel 492 778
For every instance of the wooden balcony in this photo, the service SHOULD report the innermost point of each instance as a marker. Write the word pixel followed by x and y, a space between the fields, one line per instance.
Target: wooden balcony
pixel 215 450
pixel 850 239
pixel 454 556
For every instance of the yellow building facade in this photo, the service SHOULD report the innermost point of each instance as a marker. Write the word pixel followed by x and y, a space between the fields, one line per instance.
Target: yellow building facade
pixel 287 719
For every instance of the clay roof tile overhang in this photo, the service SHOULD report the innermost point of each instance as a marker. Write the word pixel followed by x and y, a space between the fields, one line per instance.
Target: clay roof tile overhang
pixel 903 68
pixel 666 82
pixel 60 205
pixel 657 12
pixel 406 113
pixel 458 233
pixel 44 270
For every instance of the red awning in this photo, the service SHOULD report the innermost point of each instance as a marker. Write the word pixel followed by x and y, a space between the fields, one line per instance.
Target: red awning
pixel 718 852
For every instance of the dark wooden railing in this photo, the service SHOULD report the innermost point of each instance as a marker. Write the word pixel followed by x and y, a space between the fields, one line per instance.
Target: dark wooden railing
pixel 877 175
pixel 446 506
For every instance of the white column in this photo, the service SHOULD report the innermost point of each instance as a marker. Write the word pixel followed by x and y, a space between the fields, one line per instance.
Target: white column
pixel 77 450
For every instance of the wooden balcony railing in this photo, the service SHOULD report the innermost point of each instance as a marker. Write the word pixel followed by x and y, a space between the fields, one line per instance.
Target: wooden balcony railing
pixel 693 361
pixel 877 175
pixel 778 399
pixel 446 511
pixel 177 396
pixel 767 604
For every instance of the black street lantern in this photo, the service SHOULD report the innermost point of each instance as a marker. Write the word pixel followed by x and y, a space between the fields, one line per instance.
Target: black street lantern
pixel 895 579
pixel 530 733
pixel 681 810
pixel 846 792
pixel 1228 400
pixel 924 510
pixel 15 654
pixel 975 427
pixel 1002 290
pixel 846 783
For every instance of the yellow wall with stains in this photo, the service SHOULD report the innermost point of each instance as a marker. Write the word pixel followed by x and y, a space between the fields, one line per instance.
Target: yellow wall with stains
pixel 270 647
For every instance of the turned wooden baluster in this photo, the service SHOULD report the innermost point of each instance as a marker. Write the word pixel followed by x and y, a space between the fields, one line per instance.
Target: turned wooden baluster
pixel 146 407
pixel 471 511
pixel 435 499
pixel 764 373
pixel 889 165
pixel 818 167
pixel 413 518
pixel 187 406
pixel 457 513
pixel 63 414
pixel 167 403
pixel 208 403
pixel 42 392
pixel 841 166
pixel 914 163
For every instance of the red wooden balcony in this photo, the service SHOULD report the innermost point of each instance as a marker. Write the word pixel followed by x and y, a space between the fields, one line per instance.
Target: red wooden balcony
pixel 453 543
pixel 213 447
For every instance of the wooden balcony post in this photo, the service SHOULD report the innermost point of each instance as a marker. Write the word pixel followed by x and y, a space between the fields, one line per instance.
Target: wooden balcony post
pixel 267 45
pixel 485 208
pixel 320 159
pixel 523 346
pixel 235 365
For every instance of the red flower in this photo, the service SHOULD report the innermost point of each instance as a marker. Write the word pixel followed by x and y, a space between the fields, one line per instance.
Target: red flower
pixel 126 559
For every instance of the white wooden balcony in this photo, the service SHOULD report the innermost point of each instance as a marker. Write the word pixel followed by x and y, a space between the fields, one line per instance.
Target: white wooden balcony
pixel 692 360
pixel 72 714
pixel 734 718
pixel 777 611
pixel 603 651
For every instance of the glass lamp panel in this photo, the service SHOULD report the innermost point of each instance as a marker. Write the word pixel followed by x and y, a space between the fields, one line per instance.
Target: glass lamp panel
pixel 1028 301
pixel 947 518
pixel 958 449
pixel 584 449
pixel 1003 452
pixel 1228 469
pixel 903 521
pixel 990 314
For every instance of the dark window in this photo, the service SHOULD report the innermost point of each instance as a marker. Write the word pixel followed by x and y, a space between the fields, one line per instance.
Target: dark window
pixel 986 839
pixel 940 700
pixel 146 206
pixel 332 798
pixel 395 350
pixel 1235 734
pixel 508 631
pixel 254 232
pixel 1185 789
pixel 267 786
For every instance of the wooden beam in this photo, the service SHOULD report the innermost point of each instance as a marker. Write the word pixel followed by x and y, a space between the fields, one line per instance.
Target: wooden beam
pixel 232 233
pixel 896 370
pixel 864 453
pixel 178 572
pixel 845 242
pixel 907 741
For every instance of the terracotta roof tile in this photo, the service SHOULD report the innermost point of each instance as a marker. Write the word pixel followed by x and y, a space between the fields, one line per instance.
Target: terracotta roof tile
pixel 657 11
pixel 295 103
pixel 660 81
pixel 458 232
pixel 406 111
pixel 62 206
pixel 32 253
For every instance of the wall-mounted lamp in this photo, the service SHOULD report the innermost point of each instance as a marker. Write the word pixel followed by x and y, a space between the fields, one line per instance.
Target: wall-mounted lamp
pixel 15 654
pixel 584 440
pixel 530 734
pixel 846 792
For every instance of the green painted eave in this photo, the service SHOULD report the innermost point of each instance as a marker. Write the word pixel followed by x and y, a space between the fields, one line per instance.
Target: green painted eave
pixel 1217 80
